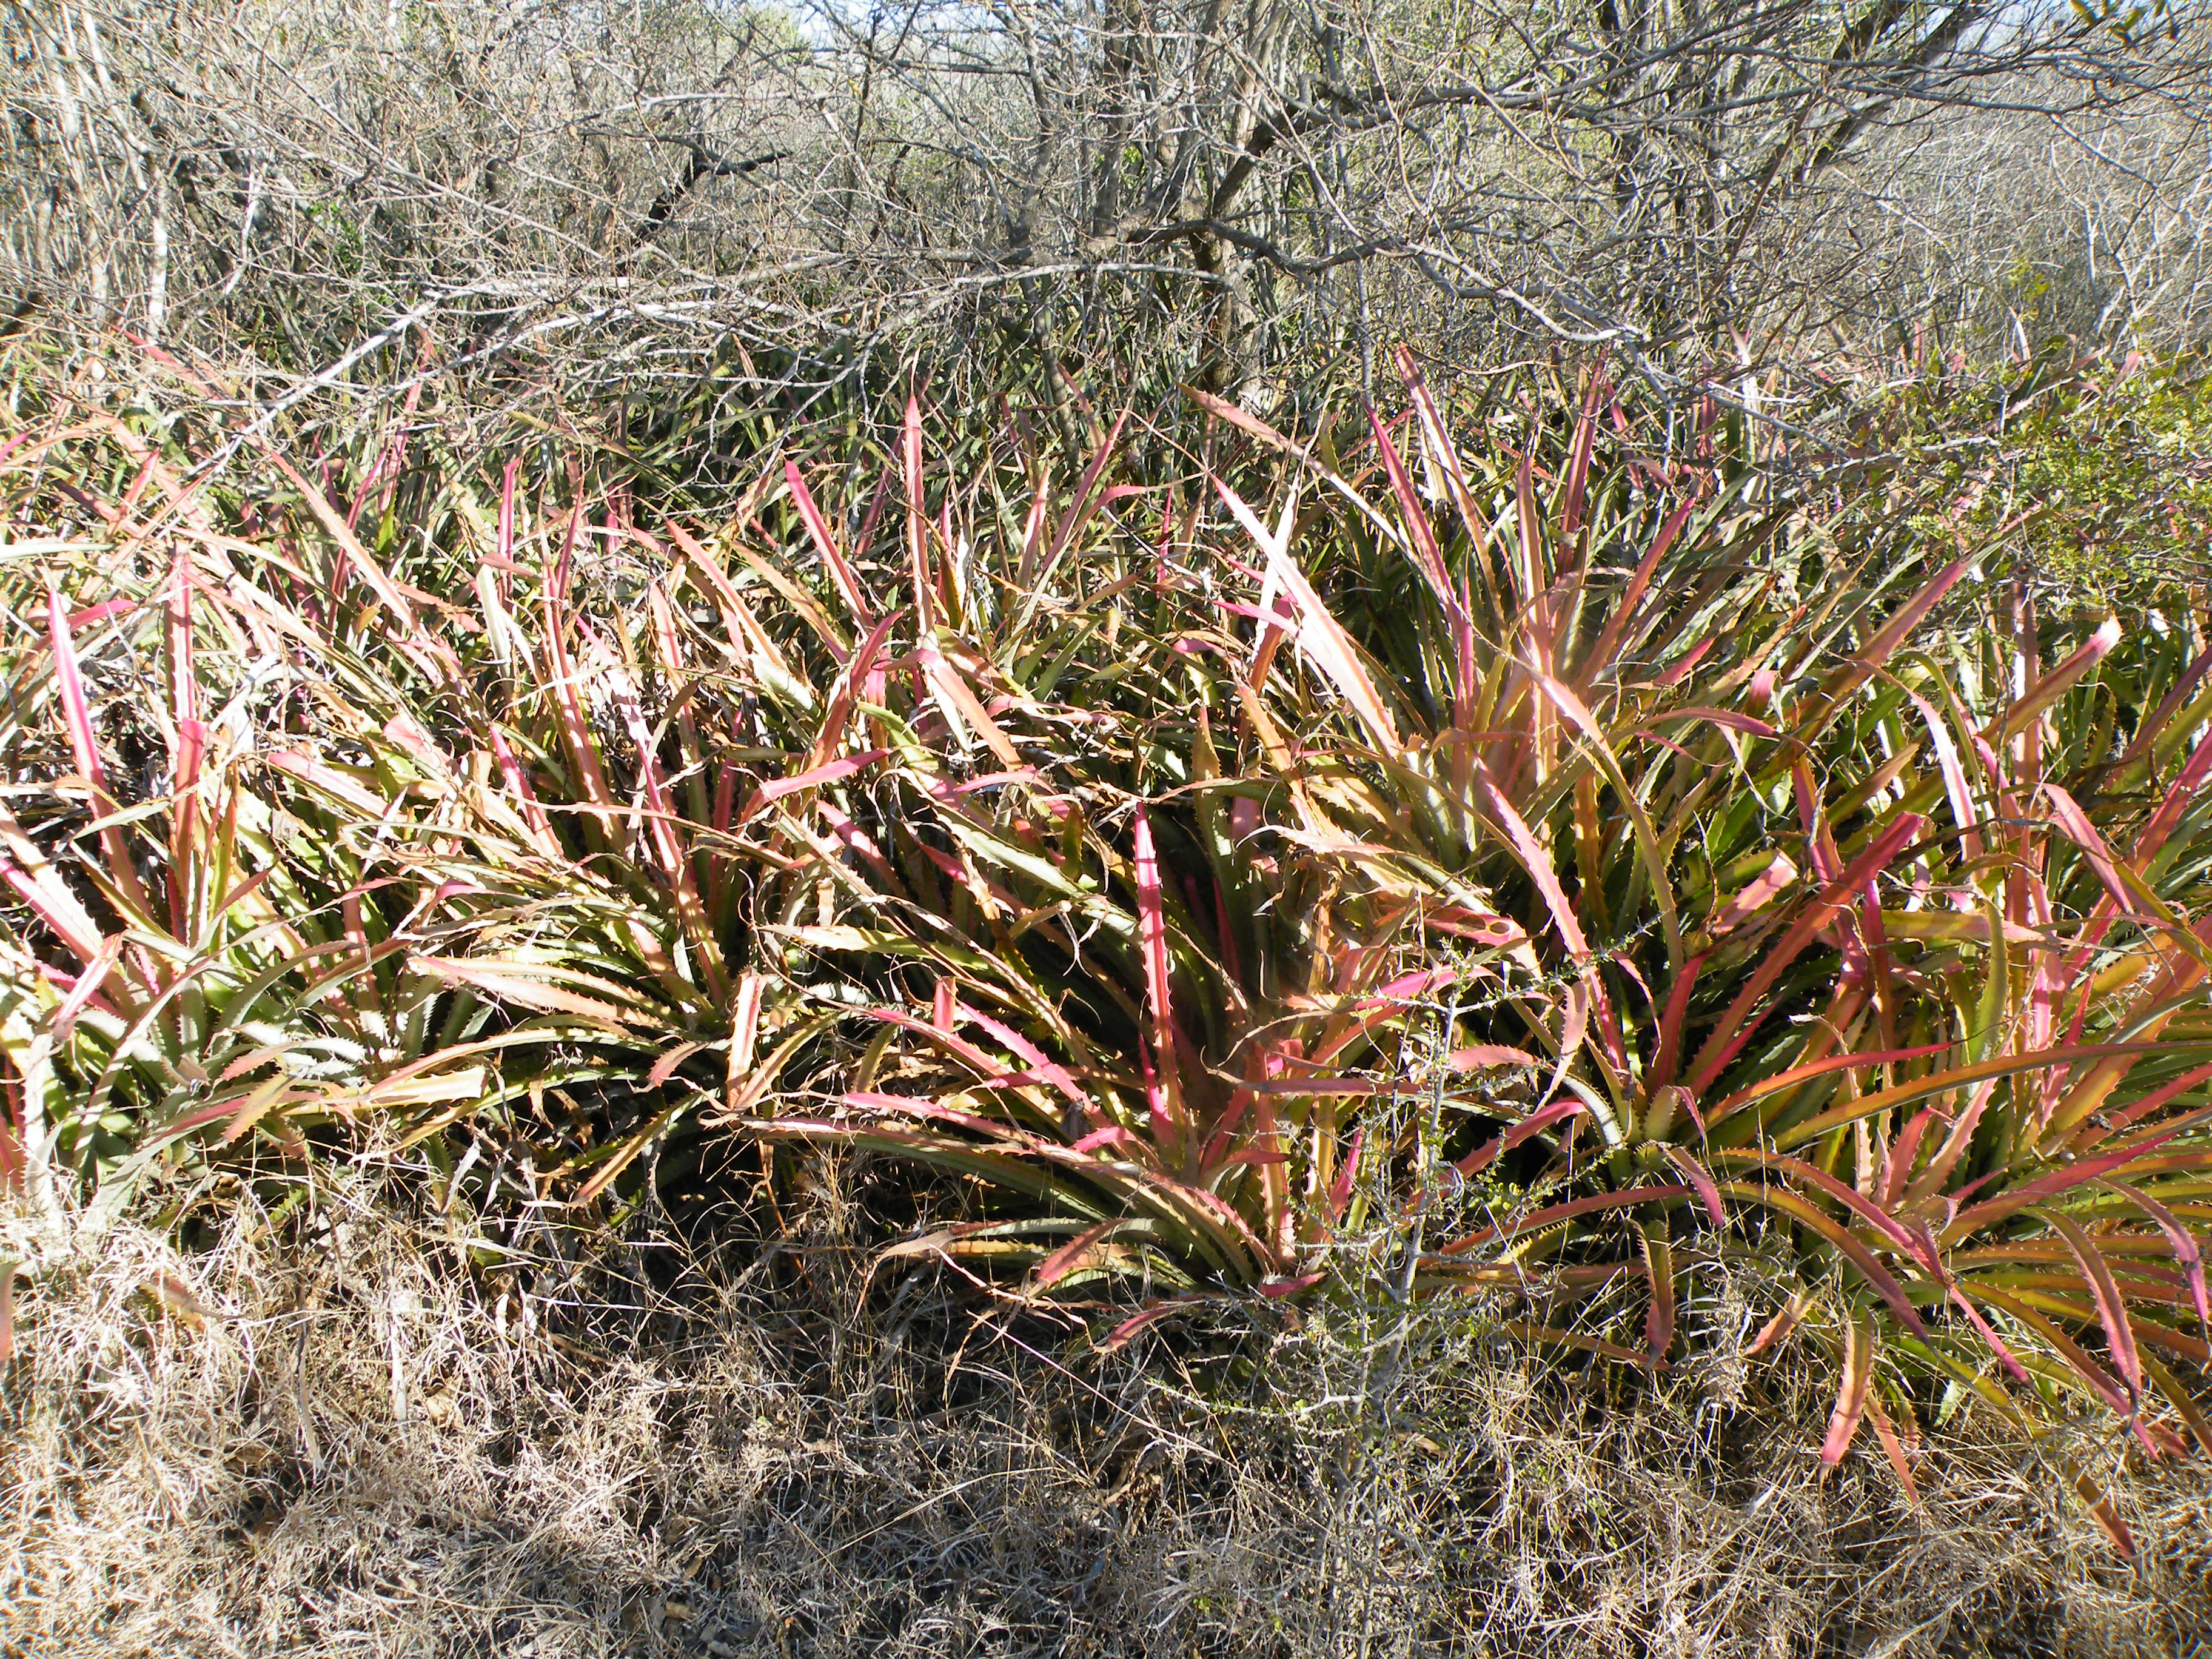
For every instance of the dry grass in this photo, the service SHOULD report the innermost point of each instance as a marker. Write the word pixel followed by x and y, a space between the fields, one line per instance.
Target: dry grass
pixel 346 1445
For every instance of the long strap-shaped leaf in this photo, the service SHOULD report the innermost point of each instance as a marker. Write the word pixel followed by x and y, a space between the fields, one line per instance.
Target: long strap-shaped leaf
pixel 1850 1389
pixel 1737 1024
pixel 1320 636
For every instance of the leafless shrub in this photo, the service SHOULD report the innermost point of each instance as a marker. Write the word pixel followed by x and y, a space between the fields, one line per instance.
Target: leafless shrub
pixel 2010 228
pixel 352 188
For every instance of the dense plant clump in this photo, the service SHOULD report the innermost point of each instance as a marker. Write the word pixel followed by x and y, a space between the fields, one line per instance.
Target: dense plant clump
pixel 1529 855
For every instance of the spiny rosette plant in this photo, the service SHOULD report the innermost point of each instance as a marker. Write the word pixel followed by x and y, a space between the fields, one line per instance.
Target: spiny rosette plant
pixel 327 844
pixel 1570 871
pixel 1752 902
pixel 191 954
pixel 492 749
pixel 1858 922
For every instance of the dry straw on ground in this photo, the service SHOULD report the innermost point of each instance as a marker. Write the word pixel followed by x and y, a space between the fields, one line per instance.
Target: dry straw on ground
pixel 351 1446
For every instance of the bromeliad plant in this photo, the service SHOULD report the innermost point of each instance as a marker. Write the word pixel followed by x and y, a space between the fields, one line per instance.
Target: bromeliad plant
pixel 220 937
pixel 1628 866
pixel 1115 1004
pixel 599 778
pixel 378 857
pixel 1564 873
pixel 1859 935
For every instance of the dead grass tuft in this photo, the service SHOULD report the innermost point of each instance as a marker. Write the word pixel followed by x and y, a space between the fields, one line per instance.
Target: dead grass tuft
pixel 350 1445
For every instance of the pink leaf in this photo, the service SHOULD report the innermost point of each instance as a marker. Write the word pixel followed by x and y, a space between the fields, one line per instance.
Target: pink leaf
pixel 841 574
pixel 2070 818
pixel 1754 898
pixel 1485 1055
pixel 2186 1248
pixel 814 777
pixel 1851 1393
pixel 1727 717
pixel 744 1028
pixel 1086 502
pixel 1071 1255
pixel 1978 1215
pixel 1428 558
pixel 1534 1124
pixel 2112 1306
pixel 664 1067
pixel 1737 1024
pixel 1963 811
pixel 88 985
pixel 1152 933
pixel 1340 1189
pixel 2169 810
pixel 1884 644
pixel 1532 858
pixel 1537 1220
pixel 1112 1135
pixel 1695 1174
pixel 917 523
pixel 2046 690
